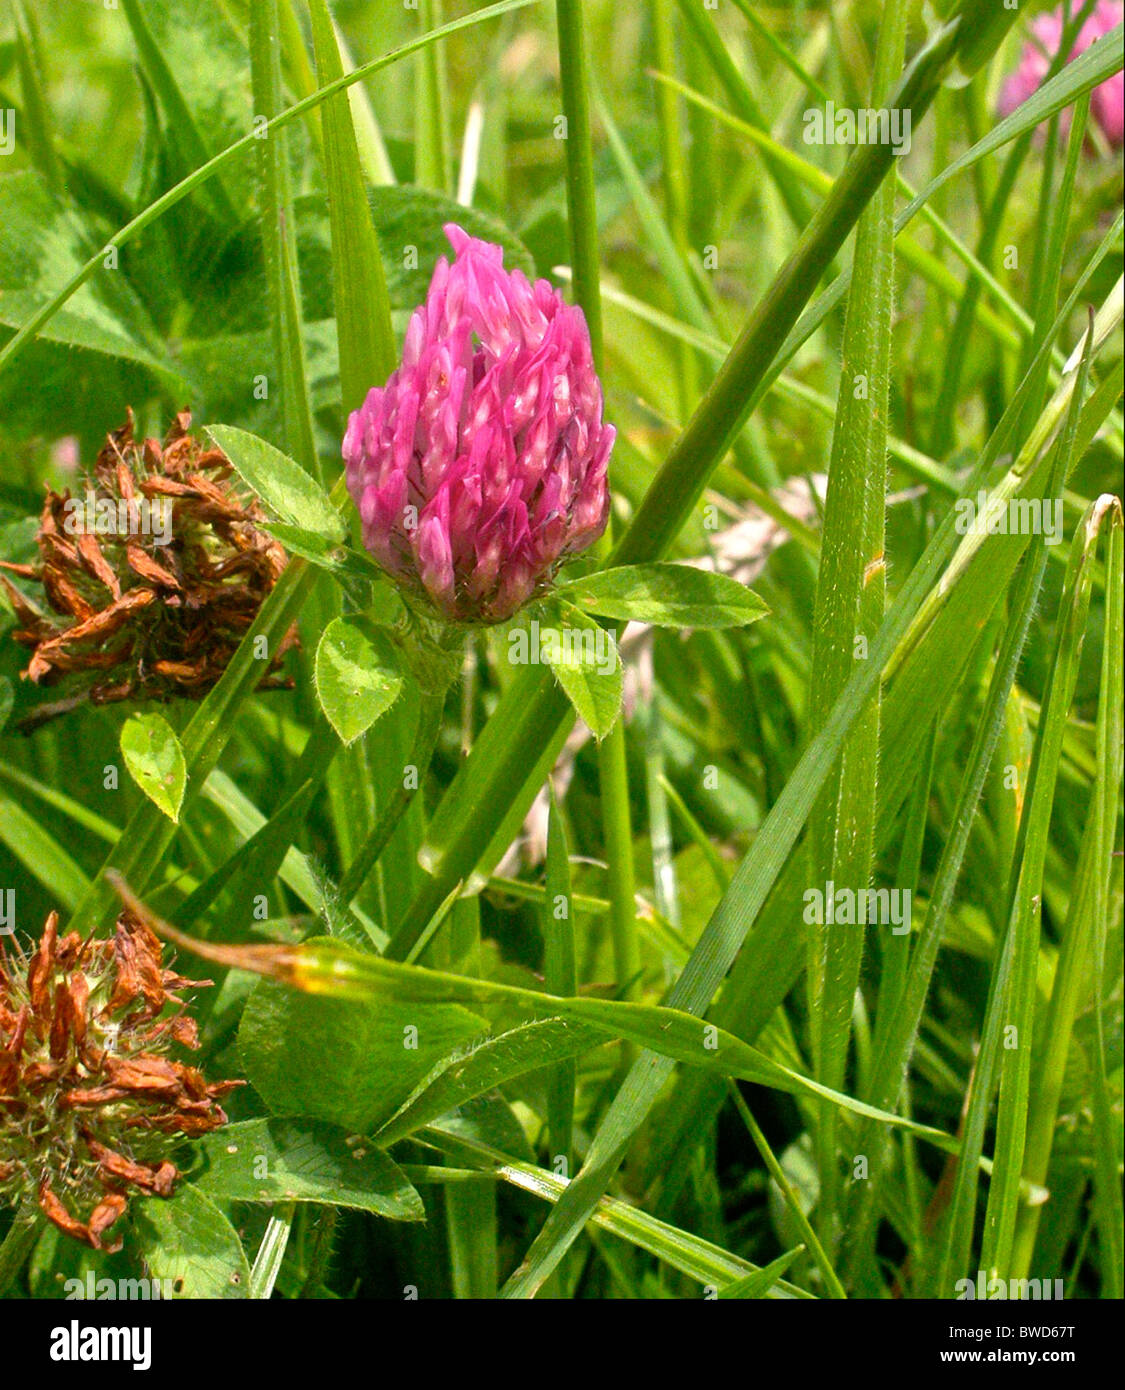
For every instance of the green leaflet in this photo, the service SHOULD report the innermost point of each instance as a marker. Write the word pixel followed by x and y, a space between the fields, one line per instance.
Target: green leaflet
pixel 279 1160
pixel 357 677
pixel 155 761
pixel 283 487
pixel 667 595
pixel 186 1240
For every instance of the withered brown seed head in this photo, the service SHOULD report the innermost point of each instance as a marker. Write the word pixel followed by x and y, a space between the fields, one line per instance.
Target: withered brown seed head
pixel 128 617
pixel 91 1099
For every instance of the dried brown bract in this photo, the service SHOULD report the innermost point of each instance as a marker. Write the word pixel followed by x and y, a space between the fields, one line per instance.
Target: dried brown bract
pixel 151 576
pixel 91 1099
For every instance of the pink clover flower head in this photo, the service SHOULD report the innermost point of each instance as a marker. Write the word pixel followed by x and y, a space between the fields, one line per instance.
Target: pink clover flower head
pixel 482 463
pixel 1107 104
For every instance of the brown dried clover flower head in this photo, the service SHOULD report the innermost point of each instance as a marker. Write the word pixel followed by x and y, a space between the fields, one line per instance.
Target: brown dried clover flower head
pixel 91 1101
pixel 152 575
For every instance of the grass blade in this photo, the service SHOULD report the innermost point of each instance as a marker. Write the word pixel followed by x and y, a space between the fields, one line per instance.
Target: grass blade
pixel 850 597
pixel 363 309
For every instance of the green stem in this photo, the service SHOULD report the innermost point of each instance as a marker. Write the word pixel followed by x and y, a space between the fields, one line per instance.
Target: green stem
pixel 560 975
pixel 279 244
pixel 676 200
pixel 429 725
pixel 614 774
pixel 580 194
pixel 583 219
pixel 271 1251
pixel 431 141
pixel 535 712
pixel 671 127
pixel 321 1256
pixel 792 1201
pixel 259 858
pixel 850 602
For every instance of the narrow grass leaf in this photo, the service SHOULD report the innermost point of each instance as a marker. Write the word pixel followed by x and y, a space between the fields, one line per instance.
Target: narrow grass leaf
pixel 363 308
